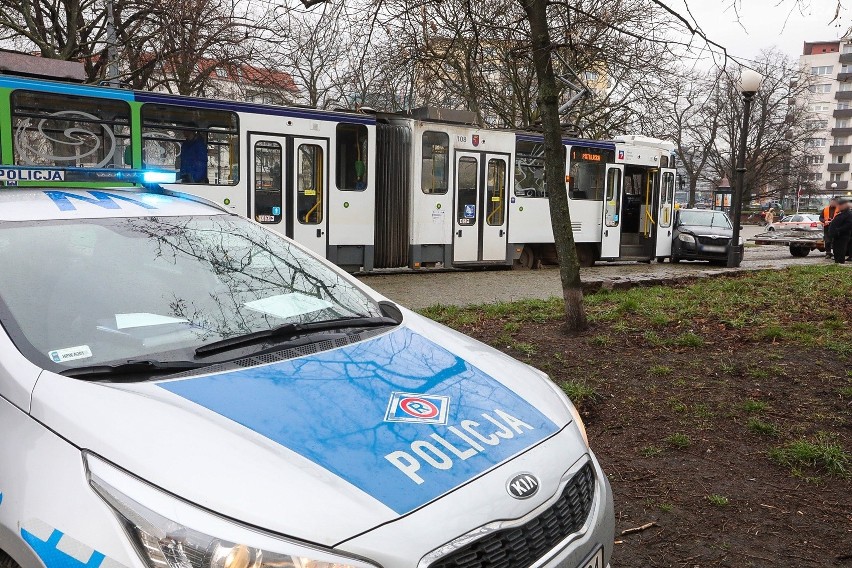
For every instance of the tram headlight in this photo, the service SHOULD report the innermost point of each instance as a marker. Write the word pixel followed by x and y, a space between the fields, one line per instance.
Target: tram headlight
pixel 685 238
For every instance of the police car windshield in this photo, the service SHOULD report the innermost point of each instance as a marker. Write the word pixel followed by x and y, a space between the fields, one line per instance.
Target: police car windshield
pixel 82 292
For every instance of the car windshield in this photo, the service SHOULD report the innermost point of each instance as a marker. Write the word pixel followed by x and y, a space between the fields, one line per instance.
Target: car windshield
pixel 705 219
pixel 75 293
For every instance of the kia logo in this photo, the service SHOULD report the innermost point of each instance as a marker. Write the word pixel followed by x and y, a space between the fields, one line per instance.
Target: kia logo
pixel 523 486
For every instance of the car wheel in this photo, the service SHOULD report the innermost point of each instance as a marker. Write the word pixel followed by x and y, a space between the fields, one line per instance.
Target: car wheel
pixel 800 252
pixel 661 259
pixel 674 259
pixel 6 561
pixel 771 229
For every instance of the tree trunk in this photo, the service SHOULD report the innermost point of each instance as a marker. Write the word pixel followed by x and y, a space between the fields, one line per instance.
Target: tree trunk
pixel 554 165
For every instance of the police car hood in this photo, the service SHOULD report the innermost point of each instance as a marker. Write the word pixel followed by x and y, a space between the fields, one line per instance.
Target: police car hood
pixel 321 447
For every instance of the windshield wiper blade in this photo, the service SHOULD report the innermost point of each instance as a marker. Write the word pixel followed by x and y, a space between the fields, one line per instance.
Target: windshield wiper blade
pixel 132 367
pixel 290 330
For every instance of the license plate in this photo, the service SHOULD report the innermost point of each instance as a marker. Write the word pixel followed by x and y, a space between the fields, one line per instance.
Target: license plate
pixel 595 562
pixel 714 249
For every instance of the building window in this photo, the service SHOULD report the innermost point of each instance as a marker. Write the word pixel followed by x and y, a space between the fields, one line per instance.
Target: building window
pixel 819 107
pixel 840 141
pixel 815 143
pixel 822 70
pixel 847 48
pixel 435 162
pixel 587 172
pixel 817 124
pixel 221 72
pixel 70 131
pixel 529 169
pixel 842 106
pixel 825 88
pixel 351 159
pixel 202 144
pixel 309 184
pixel 845 87
pixel 836 177
pixel 838 159
pixel 814 160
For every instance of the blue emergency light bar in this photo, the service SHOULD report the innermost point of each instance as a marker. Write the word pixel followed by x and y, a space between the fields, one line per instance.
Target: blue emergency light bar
pixel 12 175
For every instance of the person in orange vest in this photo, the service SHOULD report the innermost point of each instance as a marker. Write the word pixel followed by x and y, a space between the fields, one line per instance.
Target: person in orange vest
pixel 841 230
pixel 825 218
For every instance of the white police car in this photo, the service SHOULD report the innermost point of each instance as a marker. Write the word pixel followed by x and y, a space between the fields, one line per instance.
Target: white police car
pixel 181 388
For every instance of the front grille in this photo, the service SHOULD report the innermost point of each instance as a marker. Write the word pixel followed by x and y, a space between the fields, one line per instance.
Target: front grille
pixel 521 546
pixel 718 242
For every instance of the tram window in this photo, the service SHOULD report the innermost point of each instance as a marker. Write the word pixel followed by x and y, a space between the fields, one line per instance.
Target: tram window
pixel 70 131
pixel 612 205
pixel 267 182
pixel 202 144
pixel 435 171
pixel 351 151
pixel 588 170
pixel 495 193
pixel 309 184
pixel 667 200
pixel 467 187
pixel 664 161
pixel 529 170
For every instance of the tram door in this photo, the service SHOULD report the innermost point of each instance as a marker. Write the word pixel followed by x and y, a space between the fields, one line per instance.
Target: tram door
pixel 310 191
pixel 611 229
pixel 290 195
pixel 665 214
pixel 481 189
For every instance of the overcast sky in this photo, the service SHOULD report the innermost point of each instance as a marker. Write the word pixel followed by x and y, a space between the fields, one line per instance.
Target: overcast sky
pixel 762 23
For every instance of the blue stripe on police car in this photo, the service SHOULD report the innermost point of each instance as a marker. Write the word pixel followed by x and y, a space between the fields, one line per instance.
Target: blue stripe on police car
pixel 333 409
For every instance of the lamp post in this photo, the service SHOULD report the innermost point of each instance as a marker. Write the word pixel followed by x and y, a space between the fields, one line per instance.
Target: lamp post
pixel 749 84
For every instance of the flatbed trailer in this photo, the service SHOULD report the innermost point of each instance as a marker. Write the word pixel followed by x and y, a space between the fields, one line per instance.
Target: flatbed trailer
pixel 801 242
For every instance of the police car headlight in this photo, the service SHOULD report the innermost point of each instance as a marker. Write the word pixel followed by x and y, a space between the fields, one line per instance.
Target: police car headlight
pixel 575 414
pixel 170 533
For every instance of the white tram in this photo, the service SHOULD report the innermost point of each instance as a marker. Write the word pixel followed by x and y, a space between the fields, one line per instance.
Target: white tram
pixel 446 195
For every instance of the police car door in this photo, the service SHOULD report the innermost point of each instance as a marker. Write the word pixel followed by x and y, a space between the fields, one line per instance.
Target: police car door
pixel 466 205
pixel 611 229
pixel 494 203
pixel 310 194
pixel 266 199
pixel 665 214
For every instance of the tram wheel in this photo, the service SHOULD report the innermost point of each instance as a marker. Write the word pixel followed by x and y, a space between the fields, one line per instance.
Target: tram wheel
pixel 585 255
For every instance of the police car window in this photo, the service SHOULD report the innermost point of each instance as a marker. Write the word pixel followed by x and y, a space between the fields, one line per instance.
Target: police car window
pixel 70 131
pixel 202 144
pixel 105 290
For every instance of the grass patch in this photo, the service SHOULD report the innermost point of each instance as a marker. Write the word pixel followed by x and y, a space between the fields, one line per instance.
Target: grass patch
pixel 689 339
pixel 754 406
pixel 602 341
pixel 666 507
pixel 679 441
pixel 650 451
pixel 846 392
pixel 660 370
pixel 762 428
pixel 527 349
pixel 822 453
pixel 718 500
pixel 578 391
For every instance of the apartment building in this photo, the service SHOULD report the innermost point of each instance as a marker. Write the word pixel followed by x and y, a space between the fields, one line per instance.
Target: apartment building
pixel 829 152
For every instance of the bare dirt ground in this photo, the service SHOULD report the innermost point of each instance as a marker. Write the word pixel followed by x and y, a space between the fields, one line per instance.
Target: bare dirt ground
pixel 721 411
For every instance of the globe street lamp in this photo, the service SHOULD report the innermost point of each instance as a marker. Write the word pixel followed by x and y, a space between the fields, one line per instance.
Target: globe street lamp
pixel 750 81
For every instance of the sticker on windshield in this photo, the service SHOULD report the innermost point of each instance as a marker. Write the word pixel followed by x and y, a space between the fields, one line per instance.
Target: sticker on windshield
pixel 70 354
pixel 288 305
pixel 125 321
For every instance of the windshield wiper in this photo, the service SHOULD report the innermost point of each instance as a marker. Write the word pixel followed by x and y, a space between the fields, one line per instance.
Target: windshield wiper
pixel 290 330
pixel 132 367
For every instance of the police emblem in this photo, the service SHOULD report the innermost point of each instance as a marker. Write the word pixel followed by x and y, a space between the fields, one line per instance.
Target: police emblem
pixel 422 408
